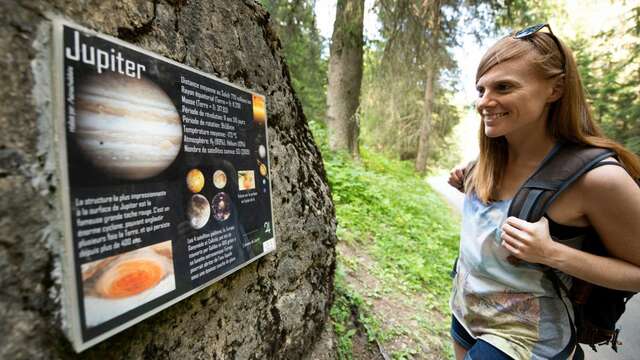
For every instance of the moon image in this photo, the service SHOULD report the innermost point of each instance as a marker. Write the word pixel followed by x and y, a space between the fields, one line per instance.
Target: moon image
pixel 219 179
pixel 195 180
pixel 262 151
pixel 129 128
pixel 221 205
pixel 198 211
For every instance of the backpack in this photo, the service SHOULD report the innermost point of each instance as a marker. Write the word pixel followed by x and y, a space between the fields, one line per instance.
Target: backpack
pixel 596 309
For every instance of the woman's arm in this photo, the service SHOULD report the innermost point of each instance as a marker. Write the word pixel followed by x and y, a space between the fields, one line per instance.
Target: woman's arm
pixel 610 199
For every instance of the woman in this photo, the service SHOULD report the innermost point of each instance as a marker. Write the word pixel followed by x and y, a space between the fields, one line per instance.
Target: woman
pixel 531 98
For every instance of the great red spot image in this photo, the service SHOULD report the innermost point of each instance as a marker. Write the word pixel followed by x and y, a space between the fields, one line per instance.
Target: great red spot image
pixel 117 284
pixel 246 180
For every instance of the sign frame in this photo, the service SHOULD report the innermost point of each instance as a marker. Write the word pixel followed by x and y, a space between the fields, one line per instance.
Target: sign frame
pixel 72 323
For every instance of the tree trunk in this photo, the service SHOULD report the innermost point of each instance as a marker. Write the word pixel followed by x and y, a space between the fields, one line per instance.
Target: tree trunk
pixel 345 76
pixel 430 81
pixel 426 125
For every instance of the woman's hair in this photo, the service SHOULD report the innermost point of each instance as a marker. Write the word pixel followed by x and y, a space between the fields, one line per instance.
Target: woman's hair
pixel 569 117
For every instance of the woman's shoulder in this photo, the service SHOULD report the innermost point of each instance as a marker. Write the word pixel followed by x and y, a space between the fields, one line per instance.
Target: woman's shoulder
pixel 611 202
pixel 607 192
pixel 609 176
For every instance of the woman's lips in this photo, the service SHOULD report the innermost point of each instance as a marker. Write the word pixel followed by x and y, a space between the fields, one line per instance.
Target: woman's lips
pixel 491 118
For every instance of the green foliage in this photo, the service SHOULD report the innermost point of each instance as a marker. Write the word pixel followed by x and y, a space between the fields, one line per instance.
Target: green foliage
pixel 518 14
pixel 383 205
pixel 611 76
pixel 302 48
pixel 394 81
pixel 349 308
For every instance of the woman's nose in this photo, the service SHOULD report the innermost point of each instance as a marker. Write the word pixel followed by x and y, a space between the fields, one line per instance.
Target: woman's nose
pixel 485 101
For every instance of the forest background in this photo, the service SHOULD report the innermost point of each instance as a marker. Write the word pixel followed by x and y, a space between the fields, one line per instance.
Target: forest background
pixel 388 91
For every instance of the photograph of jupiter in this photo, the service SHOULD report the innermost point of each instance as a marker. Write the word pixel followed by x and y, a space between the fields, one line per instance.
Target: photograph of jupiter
pixel 129 128
pixel 117 284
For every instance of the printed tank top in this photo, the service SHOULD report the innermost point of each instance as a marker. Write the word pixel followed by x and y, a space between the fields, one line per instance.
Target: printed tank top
pixel 515 308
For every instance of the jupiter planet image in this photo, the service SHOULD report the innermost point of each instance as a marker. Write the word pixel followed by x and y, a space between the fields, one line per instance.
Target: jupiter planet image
pixel 129 128
pixel 198 211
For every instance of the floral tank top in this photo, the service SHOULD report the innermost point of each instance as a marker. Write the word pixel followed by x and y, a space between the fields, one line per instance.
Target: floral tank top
pixel 515 308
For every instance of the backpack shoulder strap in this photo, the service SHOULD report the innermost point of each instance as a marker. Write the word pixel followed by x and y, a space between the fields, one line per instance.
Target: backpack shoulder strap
pixel 561 168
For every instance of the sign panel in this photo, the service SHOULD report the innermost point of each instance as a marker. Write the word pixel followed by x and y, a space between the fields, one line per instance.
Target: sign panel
pixel 165 175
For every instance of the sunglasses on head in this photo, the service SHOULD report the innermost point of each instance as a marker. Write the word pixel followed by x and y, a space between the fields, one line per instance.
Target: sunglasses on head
pixel 528 32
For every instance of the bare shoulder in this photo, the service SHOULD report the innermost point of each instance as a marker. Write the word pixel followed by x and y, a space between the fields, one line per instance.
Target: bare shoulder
pixel 605 179
pixel 611 203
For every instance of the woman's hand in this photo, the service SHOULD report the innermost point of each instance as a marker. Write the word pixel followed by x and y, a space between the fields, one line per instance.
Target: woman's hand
pixel 456 177
pixel 527 241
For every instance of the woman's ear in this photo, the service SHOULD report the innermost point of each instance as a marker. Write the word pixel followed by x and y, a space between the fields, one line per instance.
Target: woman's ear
pixel 558 88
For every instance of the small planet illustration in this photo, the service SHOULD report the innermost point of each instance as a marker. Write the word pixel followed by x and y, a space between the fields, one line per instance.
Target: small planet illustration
pixel 198 211
pixel 262 151
pixel 195 180
pixel 129 128
pixel 263 169
pixel 221 205
pixel 259 109
pixel 219 179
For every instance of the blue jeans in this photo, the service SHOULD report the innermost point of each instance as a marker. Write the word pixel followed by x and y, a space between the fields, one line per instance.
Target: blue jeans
pixel 476 349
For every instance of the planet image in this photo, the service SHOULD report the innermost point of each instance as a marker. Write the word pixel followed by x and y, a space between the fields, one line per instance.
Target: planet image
pixel 262 168
pixel 219 179
pixel 198 211
pixel 129 128
pixel 195 180
pixel 262 151
pixel 259 109
pixel 221 205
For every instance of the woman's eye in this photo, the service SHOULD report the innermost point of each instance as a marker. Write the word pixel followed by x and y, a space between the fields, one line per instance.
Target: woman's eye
pixel 480 92
pixel 503 87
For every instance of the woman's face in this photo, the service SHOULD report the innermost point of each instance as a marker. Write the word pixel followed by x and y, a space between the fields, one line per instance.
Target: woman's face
pixel 513 99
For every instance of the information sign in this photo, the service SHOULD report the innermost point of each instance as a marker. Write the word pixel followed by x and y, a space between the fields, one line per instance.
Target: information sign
pixel 165 180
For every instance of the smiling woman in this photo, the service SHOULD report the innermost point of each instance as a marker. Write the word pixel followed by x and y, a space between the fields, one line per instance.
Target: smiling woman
pixel 504 302
pixel 513 97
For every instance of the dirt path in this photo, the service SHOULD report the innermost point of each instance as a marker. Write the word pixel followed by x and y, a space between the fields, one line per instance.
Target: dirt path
pixel 403 316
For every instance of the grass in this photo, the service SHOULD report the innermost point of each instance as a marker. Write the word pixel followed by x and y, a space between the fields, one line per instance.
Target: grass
pixel 385 208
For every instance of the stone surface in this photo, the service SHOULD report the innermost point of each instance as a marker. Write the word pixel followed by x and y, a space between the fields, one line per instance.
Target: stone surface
pixel 274 308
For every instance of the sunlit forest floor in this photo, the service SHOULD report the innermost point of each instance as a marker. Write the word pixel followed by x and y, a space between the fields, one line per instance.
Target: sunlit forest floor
pixel 397 243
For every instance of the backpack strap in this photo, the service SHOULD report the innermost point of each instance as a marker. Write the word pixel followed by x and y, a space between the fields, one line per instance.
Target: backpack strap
pixel 573 343
pixel 565 164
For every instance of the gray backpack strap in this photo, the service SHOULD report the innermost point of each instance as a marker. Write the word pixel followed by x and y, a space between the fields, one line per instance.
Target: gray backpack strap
pixel 561 168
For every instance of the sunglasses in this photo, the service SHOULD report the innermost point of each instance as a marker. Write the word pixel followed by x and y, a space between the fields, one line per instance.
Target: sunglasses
pixel 528 32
